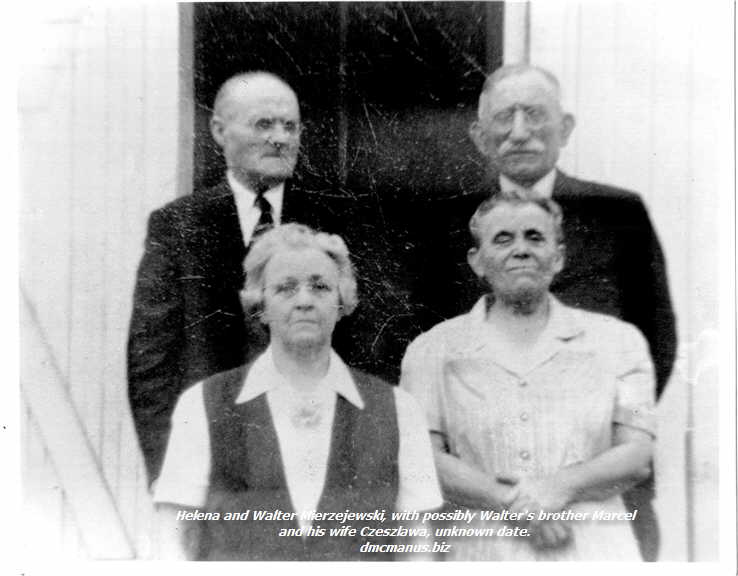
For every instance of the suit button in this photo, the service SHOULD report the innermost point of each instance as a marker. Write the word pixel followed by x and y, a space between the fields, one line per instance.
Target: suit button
pixel 524 416
pixel 523 383
pixel 525 455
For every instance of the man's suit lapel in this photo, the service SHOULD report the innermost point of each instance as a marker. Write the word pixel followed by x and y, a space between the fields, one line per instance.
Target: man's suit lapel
pixel 292 204
pixel 563 185
pixel 217 235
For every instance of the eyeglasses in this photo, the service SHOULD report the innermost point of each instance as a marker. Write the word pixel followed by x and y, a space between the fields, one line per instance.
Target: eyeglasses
pixel 290 288
pixel 264 125
pixel 534 117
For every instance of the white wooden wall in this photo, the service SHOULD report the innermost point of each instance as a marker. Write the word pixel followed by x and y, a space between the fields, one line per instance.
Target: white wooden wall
pixel 98 116
pixel 651 86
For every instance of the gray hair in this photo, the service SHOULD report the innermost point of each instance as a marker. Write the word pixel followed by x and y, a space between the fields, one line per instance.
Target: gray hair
pixel 510 70
pixel 517 197
pixel 295 236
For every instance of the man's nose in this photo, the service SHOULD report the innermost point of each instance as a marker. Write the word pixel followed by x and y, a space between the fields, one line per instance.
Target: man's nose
pixel 519 131
pixel 279 135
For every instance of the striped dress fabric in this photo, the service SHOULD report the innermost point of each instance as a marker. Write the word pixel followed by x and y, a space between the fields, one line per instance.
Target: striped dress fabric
pixel 531 416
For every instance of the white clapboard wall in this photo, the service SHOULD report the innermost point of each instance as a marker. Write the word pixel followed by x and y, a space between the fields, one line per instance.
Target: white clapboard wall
pixel 98 119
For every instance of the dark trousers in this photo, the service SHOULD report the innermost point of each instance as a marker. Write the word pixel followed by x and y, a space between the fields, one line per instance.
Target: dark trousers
pixel 645 526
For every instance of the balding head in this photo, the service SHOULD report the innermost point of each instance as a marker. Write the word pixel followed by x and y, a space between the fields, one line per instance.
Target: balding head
pixel 521 127
pixel 256 122
pixel 244 86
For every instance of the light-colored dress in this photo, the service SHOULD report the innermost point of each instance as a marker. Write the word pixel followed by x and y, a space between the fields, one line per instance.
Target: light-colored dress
pixel 587 372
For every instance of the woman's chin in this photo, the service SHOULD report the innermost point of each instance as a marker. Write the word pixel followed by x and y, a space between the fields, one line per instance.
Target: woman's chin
pixel 307 340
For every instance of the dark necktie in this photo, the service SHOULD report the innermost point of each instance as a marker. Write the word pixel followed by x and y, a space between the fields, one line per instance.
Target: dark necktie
pixel 266 221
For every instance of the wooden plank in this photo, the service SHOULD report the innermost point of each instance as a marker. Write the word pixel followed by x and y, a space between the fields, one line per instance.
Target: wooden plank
pixel 186 132
pixel 115 297
pixel 516 38
pixel 128 209
pixel 161 100
pixel 68 447
pixel 87 139
pixel 46 180
pixel 42 499
pixel 712 187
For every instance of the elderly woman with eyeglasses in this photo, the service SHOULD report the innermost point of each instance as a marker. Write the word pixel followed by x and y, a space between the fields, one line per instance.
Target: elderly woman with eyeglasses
pixel 269 457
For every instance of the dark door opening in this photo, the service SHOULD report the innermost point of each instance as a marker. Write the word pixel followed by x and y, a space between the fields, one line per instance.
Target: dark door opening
pixel 387 90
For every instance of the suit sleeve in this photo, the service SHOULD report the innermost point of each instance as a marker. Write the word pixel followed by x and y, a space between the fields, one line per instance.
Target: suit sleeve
pixel 648 302
pixel 156 340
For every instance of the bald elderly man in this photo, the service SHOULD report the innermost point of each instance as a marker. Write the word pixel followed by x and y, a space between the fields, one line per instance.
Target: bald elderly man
pixel 187 320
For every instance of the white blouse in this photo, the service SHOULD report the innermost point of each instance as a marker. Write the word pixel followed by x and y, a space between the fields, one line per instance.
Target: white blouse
pixel 303 424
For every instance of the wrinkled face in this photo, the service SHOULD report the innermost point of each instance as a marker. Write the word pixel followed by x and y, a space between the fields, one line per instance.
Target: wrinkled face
pixel 301 300
pixel 518 253
pixel 258 129
pixel 521 127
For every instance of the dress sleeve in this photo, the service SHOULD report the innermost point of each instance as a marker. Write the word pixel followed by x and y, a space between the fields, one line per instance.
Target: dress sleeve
pixel 635 392
pixel 419 488
pixel 185 474
pixel 422 377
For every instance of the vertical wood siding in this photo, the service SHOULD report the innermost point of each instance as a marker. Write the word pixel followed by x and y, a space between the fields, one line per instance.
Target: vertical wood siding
pixel 653 109
pixel 99 117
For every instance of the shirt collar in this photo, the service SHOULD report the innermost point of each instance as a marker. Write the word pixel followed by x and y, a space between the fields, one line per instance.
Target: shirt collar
pixel 562 324
pixel 263 376
pixel 543 188
pixel 246 195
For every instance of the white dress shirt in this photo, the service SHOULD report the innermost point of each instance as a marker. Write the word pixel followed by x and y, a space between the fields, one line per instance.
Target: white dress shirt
pixel 542 189
pixel 248 213
pixel 305 450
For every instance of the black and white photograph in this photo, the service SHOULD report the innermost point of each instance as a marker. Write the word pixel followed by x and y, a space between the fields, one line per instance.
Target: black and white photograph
pixel 390 282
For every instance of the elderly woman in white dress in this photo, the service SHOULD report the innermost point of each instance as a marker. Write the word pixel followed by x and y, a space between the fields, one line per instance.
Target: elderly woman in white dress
pixel 269 457
pixel 537 410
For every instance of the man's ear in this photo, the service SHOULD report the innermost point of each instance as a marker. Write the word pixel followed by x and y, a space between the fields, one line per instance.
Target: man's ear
pixel 568 122
pixel 472 257
pixel 476 133
pixel 217 127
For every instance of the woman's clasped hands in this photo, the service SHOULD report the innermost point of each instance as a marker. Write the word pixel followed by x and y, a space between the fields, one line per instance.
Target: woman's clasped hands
pixel 541 496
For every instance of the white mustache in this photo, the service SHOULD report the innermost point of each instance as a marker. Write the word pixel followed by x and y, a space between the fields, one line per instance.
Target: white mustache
pixel 530 147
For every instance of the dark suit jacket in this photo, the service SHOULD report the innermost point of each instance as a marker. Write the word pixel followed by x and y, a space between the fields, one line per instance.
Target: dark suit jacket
pixel 187 320
pixel 614 262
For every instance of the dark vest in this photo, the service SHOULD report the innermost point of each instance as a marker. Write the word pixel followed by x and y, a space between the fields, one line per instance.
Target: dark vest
pixel 247 474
